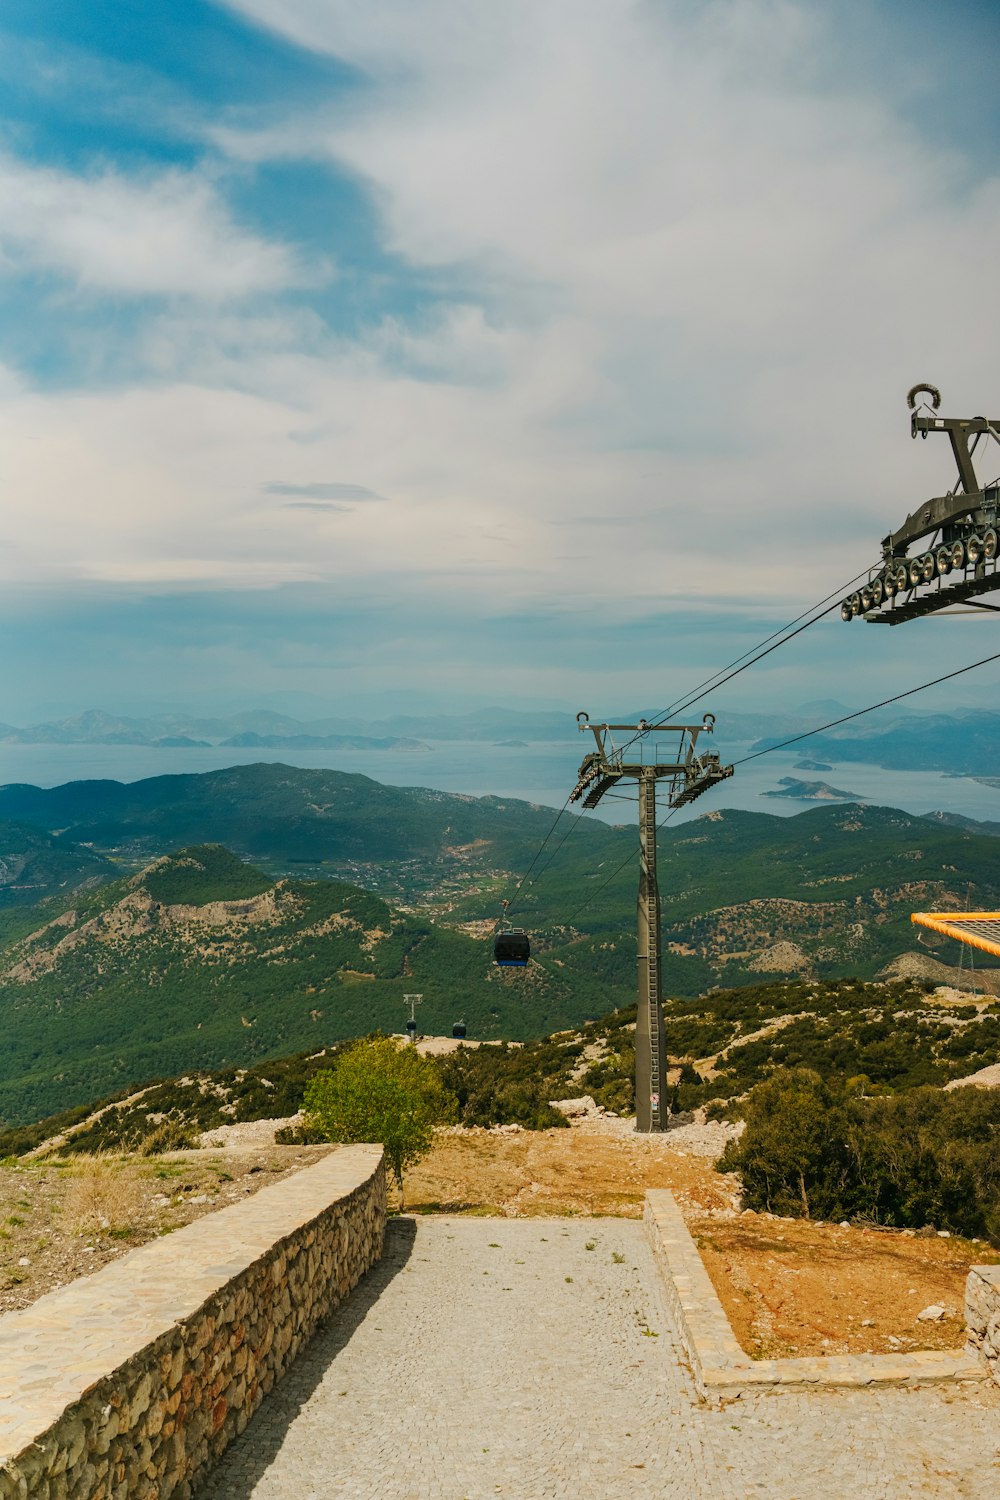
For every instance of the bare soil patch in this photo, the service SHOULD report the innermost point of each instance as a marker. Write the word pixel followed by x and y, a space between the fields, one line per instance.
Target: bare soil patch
pixel 64 1217
pixel 556 1172
pixel 791 1287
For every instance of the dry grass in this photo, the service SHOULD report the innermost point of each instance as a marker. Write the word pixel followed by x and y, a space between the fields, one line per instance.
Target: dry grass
pixel 103 1195
pixel 63 1217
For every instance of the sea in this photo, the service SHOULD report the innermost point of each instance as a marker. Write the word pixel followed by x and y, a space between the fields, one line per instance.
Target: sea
pixel 539 772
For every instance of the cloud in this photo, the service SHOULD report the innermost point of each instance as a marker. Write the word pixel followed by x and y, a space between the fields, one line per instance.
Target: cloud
pixel 321 505
pixel 322 491
pixel 709 256
pixel 165 234
pixel 686 261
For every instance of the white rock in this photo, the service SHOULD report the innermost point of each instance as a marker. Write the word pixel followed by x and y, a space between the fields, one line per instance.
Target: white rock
pixel 24 1261
pixel 944 1234
pixel 844 1224
pixel 932 1314
pixel 868 1322
pixel 571 1108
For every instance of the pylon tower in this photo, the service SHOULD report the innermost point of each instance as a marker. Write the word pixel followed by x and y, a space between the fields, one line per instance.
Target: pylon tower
pixel 689 774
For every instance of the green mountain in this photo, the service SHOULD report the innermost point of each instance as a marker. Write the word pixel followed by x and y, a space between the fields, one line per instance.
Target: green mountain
pixel 35 865
pixel 826 893
pixel 287 818
pixel 896 1035
pixel 202 961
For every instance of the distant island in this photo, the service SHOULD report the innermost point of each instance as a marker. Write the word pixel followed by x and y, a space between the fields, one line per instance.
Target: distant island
pixel 812 791
pixel 811 765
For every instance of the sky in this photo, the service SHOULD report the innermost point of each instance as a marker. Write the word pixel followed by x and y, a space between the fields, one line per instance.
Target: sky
pixel 432 352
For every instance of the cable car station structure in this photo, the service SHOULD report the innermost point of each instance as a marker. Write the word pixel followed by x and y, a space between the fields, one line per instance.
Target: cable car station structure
pixel 980 929
pixel 689 774
pixel 959 533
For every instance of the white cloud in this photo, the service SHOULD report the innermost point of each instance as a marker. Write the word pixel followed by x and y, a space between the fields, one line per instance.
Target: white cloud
pixel 167 235
pixel 695 290
pixel 730 245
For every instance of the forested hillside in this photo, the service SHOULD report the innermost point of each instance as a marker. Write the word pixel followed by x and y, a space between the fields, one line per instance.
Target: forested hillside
pixel 201 960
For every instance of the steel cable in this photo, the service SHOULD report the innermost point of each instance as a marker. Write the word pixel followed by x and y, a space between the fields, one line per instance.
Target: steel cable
pixel 846 718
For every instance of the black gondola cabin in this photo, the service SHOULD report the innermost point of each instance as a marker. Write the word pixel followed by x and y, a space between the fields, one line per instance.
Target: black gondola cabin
pixel 511 950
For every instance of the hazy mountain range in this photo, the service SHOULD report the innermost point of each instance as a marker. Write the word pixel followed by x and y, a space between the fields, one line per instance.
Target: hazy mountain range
pixel 965 742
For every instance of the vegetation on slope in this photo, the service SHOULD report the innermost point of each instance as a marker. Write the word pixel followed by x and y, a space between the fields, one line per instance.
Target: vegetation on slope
pixel 823 1148
pixel 35 866
pixel 201 961
pixel 288 817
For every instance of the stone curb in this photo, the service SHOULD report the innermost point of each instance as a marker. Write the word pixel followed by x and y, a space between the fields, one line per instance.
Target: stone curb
pixel 723 1368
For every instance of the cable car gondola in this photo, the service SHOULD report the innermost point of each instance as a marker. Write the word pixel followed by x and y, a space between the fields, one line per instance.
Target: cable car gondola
pixel 458 1030
pixel 511 949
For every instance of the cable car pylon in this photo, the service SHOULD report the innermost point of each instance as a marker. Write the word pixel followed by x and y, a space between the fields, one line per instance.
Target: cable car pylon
pixel 689 773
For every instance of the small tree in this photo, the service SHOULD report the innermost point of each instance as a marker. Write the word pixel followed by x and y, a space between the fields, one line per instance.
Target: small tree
pixel 381 1090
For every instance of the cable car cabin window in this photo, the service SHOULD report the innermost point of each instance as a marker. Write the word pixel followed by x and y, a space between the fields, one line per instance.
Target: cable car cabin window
pixel 511 950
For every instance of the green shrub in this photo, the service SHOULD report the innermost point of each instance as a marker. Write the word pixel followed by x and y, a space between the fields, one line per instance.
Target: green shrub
pixel 169 1135
pixel 822 1148
pixel 793 1157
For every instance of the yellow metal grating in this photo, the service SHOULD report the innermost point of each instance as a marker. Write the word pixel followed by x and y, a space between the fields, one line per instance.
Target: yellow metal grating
pixel 981 929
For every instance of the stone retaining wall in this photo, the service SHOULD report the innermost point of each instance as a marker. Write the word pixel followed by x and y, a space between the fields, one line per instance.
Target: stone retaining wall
pixel 131 1382
pixel 982 1314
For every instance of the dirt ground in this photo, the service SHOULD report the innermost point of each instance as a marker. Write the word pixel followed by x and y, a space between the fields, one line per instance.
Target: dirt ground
pixel 792 1287
pixel 64 1217
pixel 557 1172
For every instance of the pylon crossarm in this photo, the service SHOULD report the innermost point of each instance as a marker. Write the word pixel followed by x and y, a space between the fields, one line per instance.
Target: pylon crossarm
pixel 704 772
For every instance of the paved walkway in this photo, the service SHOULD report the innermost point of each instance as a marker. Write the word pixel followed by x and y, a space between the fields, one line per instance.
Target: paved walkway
pixel 533 1358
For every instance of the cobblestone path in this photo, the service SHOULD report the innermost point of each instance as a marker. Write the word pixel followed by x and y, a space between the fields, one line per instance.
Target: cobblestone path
pixel 534 1357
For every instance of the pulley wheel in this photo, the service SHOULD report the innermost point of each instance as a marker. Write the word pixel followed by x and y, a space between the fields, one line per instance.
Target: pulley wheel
pixel 990 543
pixel 943 559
